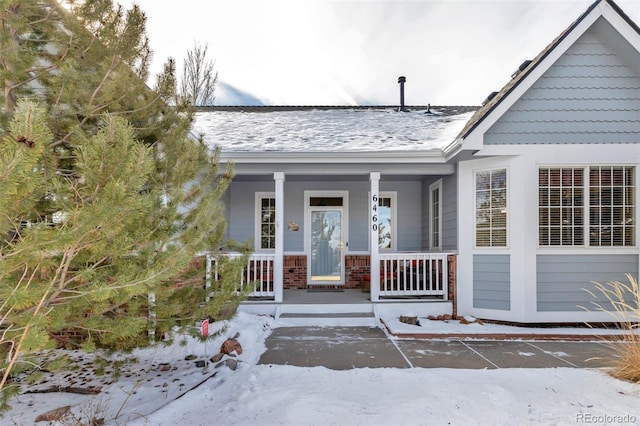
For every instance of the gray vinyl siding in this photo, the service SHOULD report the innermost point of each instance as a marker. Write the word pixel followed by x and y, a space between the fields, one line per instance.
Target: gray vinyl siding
pixel 590 95
pixel 409 213
pixel 425 225
pixel 491 281
pixel 241 207
pixel 449 204
pixel 241 211
pixel 563 280
pixel 225 200
pixel 450 213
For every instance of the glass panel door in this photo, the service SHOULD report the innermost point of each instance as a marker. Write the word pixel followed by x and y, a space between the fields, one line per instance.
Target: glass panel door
pixel 326 246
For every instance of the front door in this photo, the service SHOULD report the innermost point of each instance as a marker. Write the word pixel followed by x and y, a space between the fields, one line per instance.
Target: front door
pixel 326 259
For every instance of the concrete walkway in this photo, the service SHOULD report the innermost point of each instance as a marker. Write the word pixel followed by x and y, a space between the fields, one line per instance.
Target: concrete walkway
pixel 342 348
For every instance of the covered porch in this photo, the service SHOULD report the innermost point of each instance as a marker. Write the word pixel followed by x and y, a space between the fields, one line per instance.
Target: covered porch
pixel 390 234
pixel 341 200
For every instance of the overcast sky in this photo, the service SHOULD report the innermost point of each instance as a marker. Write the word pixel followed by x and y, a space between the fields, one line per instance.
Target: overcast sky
pixel 322 52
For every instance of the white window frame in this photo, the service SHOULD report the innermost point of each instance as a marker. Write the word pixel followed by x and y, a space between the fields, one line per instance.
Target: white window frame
pixel 586 206
pixel 258 221
pixel 475 208
pixel 437 185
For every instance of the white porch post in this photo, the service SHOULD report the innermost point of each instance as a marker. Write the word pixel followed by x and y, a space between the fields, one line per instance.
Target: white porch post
pixel 374 261
pixel 278 261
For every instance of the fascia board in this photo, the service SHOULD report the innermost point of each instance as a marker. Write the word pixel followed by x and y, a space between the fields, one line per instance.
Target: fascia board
pixel 345 169
pixel 620 25
pixel 392 157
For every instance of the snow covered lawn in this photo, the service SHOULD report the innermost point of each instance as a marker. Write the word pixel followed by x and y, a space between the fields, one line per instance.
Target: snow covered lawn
pixel 284 395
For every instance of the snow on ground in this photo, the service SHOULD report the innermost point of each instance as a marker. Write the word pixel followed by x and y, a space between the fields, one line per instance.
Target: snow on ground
pixel 454 327
pixel 285 395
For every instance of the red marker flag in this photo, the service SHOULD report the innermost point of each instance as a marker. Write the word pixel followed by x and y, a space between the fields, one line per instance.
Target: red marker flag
pixel 205 327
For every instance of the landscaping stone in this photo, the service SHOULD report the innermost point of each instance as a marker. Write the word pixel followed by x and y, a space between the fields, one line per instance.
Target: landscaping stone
pixel 54 415
pixel 216 358
pixel 231 363
pixel 231 345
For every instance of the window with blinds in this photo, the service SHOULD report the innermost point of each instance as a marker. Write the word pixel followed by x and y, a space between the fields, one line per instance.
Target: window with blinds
pixel 491 208
pixel 561 206
pixel 611 206
pixel 600 196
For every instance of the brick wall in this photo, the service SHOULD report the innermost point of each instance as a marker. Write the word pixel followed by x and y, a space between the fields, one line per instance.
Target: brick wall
pixel 295 272
pixel 452 262
pixel 355 267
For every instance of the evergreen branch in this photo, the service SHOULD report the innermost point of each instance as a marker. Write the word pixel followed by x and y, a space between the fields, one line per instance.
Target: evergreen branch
pixel 39 72
pixel 43 19
pixel 13 356
pixel 107 73
pixel 62 271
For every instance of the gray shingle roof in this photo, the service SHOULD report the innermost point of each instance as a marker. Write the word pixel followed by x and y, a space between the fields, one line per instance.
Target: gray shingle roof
pixel 329 129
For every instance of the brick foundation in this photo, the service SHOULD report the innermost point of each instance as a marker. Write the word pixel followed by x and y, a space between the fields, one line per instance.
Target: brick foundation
pixel 452 266
pixel 295 272
pixel 356 266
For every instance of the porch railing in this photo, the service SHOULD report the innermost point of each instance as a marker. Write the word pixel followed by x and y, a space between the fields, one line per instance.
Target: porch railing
pixel 258 273
pixel 414 274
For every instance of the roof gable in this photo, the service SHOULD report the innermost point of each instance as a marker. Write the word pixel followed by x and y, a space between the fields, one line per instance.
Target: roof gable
pixel 626 35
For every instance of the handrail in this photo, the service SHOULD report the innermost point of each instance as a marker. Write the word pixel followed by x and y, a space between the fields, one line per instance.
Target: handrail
pixel 414 274
pixel 258 273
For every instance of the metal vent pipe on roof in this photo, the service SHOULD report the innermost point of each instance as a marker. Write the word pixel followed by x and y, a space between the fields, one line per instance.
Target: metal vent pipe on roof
pixel 401 81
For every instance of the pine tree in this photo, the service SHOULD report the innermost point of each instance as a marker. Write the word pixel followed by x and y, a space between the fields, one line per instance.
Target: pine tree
pixel 104 198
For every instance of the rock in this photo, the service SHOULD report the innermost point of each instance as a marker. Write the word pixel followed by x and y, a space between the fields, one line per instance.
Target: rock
pixel 165 366
pixel 231 345
pixel 470 320
pixel 432 318
pixel 216 358
pixel 446 317
pixel 54 415
pixel 201 363
pixel 409 319
pixel 235 336
pixel 231 363
pixel 190 357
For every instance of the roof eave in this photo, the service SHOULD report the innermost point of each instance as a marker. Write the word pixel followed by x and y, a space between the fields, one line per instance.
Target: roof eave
pixel 431 156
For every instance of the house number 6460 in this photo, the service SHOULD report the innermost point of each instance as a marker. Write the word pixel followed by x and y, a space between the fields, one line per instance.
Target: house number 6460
pixel 374 212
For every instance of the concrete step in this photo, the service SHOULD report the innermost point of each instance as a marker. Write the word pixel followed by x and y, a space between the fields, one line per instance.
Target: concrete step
pixel 312 315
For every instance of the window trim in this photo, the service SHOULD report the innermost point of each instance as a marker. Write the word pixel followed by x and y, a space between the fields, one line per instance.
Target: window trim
pixel 437 185
pixel 259 196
